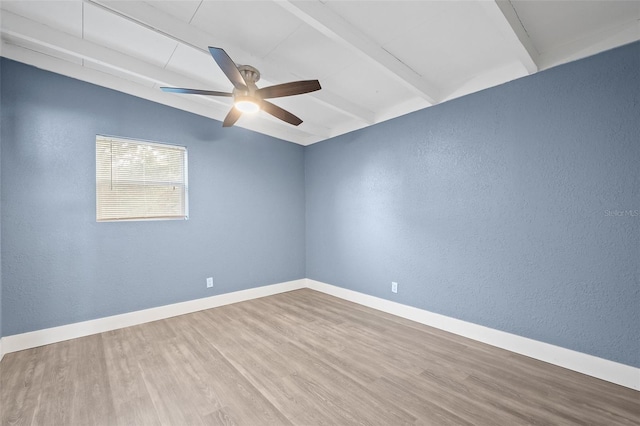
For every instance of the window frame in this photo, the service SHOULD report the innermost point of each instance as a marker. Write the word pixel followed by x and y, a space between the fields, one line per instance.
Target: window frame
pixel 119 139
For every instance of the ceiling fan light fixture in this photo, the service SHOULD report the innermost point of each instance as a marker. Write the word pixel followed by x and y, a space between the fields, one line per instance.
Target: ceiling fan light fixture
pixel 247 105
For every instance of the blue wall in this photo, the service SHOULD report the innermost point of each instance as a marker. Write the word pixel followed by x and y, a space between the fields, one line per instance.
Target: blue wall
pixel 497 208
pixel 246 225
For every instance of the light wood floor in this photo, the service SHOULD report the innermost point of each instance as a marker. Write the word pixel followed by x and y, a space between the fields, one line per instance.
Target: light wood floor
pixel 301 358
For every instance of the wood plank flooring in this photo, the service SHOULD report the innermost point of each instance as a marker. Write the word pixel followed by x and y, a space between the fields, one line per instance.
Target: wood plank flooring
pixel 301 358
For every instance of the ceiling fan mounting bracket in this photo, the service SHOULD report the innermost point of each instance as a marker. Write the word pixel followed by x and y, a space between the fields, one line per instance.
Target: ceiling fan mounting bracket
pixel 249 73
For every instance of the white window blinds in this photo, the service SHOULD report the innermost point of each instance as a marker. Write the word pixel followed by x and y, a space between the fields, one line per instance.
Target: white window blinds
pixel 140 180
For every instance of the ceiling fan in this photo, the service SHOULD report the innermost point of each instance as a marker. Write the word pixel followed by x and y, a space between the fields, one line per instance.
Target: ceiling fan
pixel 246 95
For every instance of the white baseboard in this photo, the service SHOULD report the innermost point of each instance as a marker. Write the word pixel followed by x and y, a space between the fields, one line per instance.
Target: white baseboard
pixel 18 342
pixel 590 365
pixel 610 371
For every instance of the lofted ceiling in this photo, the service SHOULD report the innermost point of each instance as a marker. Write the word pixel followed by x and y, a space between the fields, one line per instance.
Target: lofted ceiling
pixel 375 59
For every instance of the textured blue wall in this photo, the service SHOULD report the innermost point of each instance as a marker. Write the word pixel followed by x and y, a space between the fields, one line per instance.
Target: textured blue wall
pixel 498 208
pixel 246 225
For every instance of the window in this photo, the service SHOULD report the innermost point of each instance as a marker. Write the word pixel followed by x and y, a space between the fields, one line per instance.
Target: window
pixel 138 180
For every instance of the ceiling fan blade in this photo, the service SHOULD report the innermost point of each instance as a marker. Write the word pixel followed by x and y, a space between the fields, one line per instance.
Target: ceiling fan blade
pixel 289 89
pixel 228 67
pixel 231 117
pixel 280 113
pixel 195 91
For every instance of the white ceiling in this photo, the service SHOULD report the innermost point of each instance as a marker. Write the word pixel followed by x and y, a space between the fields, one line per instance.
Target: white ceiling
pixel 375 59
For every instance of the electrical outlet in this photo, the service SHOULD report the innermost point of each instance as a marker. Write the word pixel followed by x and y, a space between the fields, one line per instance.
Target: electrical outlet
pixel 209 282
pixel 394 287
